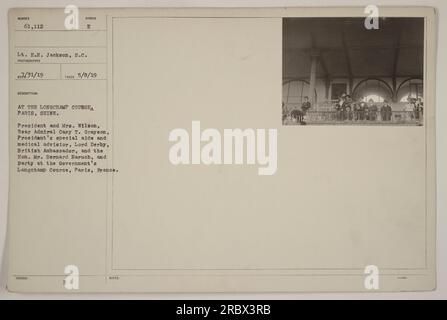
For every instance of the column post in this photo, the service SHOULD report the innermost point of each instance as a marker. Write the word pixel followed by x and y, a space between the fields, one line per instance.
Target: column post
pixel 313 76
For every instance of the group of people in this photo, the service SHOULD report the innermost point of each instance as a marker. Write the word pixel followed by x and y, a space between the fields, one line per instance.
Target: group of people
pixel 348 109
pixel 415 107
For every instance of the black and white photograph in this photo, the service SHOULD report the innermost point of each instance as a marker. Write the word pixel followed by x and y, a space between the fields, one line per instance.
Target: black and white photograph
pixel 337 71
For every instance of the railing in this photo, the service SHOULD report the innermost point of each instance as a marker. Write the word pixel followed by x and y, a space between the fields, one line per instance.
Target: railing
pixel 360 117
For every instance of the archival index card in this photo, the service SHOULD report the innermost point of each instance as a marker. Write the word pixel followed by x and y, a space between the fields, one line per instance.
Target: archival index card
pixel 222 150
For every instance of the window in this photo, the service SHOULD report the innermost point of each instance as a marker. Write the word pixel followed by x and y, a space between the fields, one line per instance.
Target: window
pixel 338 89
pixel 405 98
pixel 375 89
pixel 413 88
pixel 374 97
pixel 294 93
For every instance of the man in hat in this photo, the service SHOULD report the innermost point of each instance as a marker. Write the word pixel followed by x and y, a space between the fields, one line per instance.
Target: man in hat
pixel 306 105
pixel 418 107
pixel 339 107
pixel 347 108
pixel 372 110
pixel 386 111
pixel 349 113
pixel 409 109
pixel 356 109
pixel 366 111
pixel 363 110
pixel 389 111
pixel 383 112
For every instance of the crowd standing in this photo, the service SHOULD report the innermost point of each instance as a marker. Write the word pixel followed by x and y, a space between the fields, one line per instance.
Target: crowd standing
pixel 348 109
